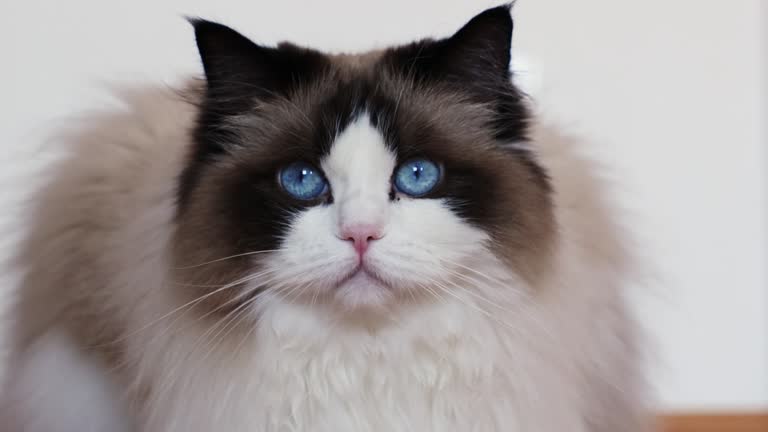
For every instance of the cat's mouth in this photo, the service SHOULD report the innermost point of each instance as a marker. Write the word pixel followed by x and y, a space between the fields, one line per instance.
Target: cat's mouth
pixel 362 287
pixel 362 274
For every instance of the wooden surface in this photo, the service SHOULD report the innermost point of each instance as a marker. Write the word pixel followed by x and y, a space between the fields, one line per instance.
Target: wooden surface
pixel 726 422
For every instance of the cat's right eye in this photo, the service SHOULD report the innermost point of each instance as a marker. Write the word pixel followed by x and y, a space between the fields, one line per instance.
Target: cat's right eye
pixel 302 181
pixel 417 177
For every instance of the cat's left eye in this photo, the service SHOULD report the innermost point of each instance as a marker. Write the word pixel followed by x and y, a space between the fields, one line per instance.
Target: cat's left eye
pixel 417 177
pixel 303 181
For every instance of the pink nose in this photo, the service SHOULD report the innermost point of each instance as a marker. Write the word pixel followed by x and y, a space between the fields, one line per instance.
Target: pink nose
pixel 361 235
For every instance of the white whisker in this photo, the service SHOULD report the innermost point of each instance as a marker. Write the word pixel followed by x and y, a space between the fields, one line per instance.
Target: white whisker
pixel 227 258
pixel 185 306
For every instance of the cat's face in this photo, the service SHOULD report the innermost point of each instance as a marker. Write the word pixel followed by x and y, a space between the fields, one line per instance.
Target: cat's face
pixel 358 181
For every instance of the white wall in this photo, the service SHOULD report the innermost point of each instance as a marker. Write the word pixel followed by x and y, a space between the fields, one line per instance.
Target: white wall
pixel 668 90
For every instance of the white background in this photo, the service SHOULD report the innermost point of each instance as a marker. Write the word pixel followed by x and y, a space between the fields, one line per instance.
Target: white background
pixel 671 92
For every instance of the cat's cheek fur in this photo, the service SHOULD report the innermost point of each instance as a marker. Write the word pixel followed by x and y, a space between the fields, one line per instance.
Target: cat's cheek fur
pixel 310 256
pixel 426 243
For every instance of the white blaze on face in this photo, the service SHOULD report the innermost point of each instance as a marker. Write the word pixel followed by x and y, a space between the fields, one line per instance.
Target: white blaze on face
pixel 420 238
pixel 359 168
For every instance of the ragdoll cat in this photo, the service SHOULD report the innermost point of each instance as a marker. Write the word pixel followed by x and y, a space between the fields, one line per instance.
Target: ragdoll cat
pixel 327 243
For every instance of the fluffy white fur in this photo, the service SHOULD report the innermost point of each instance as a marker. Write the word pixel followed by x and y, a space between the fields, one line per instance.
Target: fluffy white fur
pixel 487 354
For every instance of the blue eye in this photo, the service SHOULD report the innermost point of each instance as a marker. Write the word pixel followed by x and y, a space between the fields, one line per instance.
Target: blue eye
pixel 302 181
pixel 417 177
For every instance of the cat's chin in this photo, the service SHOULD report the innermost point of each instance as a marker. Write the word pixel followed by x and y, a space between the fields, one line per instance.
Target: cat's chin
pixel 362 290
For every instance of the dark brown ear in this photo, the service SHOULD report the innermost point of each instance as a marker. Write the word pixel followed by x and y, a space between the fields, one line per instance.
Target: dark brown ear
pixel 479 53
pixel 475 61
pixel 481 49
pixel 238 70
pixel 226 54
pixel 239 73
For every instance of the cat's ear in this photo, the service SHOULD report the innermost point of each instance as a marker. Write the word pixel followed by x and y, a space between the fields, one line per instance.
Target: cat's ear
pixel 237 69
pixel 477 54
pixel 481 49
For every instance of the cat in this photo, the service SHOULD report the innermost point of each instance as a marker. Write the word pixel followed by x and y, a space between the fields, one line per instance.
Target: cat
pixel 303 241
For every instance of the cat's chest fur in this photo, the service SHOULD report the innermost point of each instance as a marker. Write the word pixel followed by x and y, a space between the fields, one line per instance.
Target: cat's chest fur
pixel 297 372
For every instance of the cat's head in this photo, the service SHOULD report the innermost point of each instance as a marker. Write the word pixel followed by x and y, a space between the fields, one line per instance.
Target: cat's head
pixel 360 181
